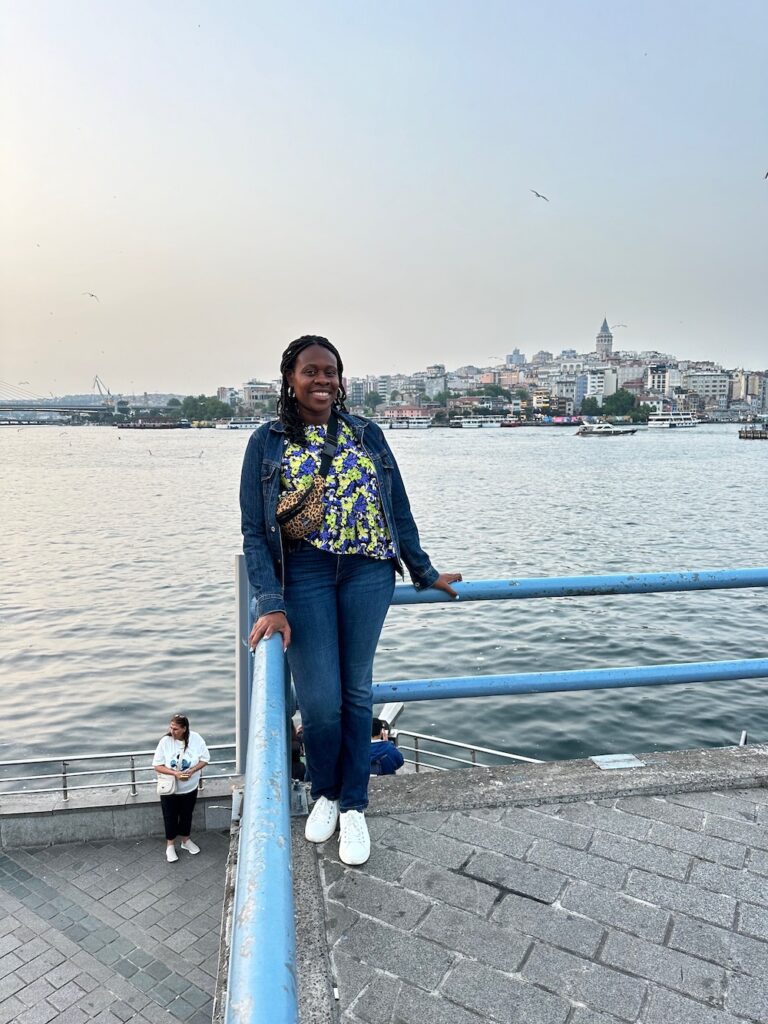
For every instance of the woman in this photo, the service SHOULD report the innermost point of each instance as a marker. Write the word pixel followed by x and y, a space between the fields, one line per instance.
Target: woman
pixel 328 594
pixel 183 754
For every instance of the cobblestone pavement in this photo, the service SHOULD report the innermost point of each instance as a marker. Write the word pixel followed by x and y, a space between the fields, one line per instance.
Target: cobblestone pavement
pixel 638 909
pixel 110 932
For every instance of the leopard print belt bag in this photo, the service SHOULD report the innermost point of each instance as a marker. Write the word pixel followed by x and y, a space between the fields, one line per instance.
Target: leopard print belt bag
pixel 300 513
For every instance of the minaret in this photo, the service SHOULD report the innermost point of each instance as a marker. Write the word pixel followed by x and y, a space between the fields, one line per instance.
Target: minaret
pixel 604 342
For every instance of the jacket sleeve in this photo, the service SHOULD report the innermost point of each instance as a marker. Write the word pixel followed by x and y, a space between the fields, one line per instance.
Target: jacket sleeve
pixel 393 757
pixel 421 570
pixel 262 574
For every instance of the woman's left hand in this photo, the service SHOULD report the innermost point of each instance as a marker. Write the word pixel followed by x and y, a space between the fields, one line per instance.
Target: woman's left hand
pixel 444 581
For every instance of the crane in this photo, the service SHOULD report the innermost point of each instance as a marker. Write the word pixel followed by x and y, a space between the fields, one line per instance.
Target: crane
pixel 103 390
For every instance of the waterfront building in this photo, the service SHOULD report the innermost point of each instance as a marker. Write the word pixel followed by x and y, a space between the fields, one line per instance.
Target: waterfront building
pixel 230 396
pixel 601 382
pixel 712 385
pixel 257 391
pixel 604 341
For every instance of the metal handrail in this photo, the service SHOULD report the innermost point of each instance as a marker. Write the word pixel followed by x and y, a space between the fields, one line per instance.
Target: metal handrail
pixel 99 757
pixel 270 974
pixel 445 757
pixel 469 746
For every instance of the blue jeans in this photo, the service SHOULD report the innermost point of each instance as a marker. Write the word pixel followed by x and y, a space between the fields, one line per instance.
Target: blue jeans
pixel 336 606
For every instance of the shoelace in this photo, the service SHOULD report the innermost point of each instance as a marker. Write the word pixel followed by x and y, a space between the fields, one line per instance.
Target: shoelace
pixel 355 827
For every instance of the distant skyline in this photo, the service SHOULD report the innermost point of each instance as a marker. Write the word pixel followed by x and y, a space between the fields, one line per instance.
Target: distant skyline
pixel 191 186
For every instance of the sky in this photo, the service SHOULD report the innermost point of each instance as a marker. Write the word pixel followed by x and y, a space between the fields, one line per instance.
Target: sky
pixel 226 177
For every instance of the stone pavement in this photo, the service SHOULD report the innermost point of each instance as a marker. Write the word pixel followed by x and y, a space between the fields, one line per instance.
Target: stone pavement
pixel 110 932
pixel 604 909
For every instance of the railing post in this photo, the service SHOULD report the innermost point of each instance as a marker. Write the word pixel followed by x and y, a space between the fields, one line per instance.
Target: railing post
pixel 134 791
pixel 473 755
pixel 64 779
pixel 242 665
pixel 261 986
pixel 416 751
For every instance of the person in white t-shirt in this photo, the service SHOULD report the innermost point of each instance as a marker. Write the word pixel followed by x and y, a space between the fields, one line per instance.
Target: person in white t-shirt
pixel 183 754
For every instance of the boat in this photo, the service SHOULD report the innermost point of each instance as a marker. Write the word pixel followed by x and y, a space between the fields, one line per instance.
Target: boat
pixel 413 421
pixel 603 430
pixel 667 420
pixel 513 423
pixel 475 422
pixel 244 423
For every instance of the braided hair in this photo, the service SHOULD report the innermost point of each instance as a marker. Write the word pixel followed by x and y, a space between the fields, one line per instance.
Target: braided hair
pixel 287 406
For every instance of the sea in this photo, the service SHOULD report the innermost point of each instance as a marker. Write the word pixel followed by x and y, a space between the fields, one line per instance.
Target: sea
pixel 117 601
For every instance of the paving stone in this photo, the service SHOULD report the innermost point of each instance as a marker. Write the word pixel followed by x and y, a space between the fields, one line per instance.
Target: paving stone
pixel 337 920
pixel 453 888
pixel 667 1007
pixel 377 1004
pixel 383 863
pixel 465 933
pixel 757 861
pixel 581 1015
pixel 723 805
pixel 432 821
pixel 122 1010
pixel 380 900
pixel 497 997
pixel 641 855
pixel 753 920
pixel 702 846
pixel 578 864
pixel 748 997
pixel 608 819
pixel 662 810
pixel 432 847
pixel 406 956
pixel 546 826
pixel 36 992
pixel 716 908
pixel 745 832
pixel 741 884
pixel 617 910
pixel 158 970
pixel 351 978
pixel 9 985
pixel 8 943
pixel 679 971
pixel 66 995
pixel 517 876
pixel 540 921
pixel 583 981
pixel 72 1015
pixel 41 1013
pixel 735 952
pixel 10 1010
pixel 94 1002
pixel 9 963
pixel 489 837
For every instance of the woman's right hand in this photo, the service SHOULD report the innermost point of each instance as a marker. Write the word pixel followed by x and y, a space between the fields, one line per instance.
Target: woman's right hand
pixel 266 625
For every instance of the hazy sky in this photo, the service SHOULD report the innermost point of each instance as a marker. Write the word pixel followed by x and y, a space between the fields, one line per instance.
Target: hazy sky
pixel 227 176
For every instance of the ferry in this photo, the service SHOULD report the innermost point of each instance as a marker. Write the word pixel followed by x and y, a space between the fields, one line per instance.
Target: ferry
pixel 475 422
pixel 413 421
pixel 667 420
pixel 245 423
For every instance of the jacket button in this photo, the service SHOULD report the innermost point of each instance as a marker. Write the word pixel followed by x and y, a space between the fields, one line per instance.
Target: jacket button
pixel 273 529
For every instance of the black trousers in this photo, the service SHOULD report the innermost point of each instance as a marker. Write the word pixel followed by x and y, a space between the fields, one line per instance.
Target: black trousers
pixel 177 813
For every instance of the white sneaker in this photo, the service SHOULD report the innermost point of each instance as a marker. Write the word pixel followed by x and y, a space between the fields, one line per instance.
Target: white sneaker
pixel 190 847
pixel 355 843
pixel 170 854
pixel 322 821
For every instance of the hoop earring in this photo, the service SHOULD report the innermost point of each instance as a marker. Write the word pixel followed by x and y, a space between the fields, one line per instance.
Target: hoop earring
pixel 291 392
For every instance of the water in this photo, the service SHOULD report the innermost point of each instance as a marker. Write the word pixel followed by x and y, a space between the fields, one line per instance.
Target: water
pixel 117 567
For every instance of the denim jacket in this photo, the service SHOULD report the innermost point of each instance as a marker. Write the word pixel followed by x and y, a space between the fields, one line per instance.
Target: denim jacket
pixel 260 490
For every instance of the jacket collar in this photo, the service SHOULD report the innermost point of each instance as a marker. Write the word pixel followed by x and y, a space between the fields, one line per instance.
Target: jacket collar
pixel 356 423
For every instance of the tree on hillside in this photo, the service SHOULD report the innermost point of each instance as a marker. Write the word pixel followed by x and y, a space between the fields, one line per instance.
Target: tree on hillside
pixel 590 407
pixel 205 408
pixel 621 403
pixel 372 399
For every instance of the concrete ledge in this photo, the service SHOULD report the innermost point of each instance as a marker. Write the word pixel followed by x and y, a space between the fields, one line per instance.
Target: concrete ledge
pixel 45 819
pixel 677 771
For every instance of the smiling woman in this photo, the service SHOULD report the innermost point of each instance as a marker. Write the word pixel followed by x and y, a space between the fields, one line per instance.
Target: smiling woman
pixel 326 584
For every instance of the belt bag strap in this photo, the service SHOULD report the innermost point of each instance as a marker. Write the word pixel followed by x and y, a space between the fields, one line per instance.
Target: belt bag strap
pixel 330 446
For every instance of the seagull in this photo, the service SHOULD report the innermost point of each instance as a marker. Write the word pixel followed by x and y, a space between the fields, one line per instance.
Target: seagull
pixel 91 295
pixel 766 175
pixel 23 382
pixel 538 194
pixel 614 326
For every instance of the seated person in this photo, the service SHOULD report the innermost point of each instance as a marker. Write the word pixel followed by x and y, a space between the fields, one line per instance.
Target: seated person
pixel 385 757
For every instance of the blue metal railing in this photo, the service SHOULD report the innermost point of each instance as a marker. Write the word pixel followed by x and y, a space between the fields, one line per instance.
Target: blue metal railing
pixel 262 984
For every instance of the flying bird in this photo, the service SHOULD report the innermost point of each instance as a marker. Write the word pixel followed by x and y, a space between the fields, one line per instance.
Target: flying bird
pixel 614 326
pixel 538 194
pixel 91 295
pixel 766 175
pixel 23 382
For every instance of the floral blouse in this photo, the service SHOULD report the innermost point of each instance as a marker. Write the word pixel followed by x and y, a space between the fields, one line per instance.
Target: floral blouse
pixel 354 520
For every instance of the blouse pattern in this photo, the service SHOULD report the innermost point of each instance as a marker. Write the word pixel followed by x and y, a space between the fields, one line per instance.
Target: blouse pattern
pixel 354 522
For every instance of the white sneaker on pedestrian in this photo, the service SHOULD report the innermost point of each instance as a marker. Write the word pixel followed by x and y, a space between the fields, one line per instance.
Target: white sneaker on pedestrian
pixel 190 847
pixel 355 843
pixel 322 821
pixel 170 854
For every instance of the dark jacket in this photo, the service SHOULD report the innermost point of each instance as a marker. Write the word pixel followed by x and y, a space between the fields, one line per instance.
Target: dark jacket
pixel 385 757
pixel 260 490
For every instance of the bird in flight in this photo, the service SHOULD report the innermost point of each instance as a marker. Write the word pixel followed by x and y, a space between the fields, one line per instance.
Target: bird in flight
pixel 614 326
pixel 91 295
pixel 538 194
pixel 766 175
pixel 23 382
